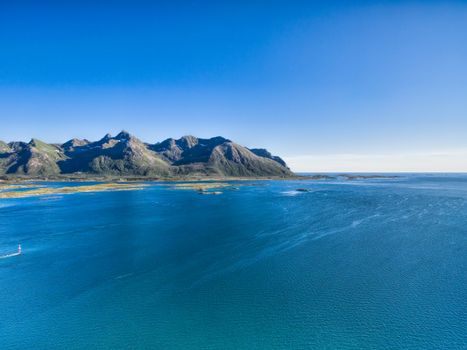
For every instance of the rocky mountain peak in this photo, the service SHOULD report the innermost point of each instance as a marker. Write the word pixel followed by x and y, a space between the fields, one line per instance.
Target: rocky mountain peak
pixel 106 138
pixel 188 141
pixel 74 143
pixel 124 154
pixel 123 135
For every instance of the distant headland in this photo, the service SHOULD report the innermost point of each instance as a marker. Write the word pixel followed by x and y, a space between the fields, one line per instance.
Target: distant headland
pixel 126 156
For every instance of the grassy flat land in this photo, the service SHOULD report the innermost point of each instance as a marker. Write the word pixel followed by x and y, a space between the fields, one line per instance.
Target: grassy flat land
pixel 201 186
pixel 41 191
pixel 14 187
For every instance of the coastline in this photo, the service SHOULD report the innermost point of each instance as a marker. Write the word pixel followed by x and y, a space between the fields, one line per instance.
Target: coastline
pixel 19 179
pixel 25 186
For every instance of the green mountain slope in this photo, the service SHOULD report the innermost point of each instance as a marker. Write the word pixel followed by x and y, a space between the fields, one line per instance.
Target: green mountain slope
pixel 125 154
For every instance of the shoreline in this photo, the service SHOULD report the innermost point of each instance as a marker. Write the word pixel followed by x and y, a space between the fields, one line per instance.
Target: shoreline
pixel 20 187
pixel 18 179
pixel 22 179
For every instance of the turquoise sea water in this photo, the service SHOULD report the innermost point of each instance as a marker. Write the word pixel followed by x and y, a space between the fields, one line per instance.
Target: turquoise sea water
pixel 364 264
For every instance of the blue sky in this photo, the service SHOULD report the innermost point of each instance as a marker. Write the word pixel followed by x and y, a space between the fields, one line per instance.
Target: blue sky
pixel 330 86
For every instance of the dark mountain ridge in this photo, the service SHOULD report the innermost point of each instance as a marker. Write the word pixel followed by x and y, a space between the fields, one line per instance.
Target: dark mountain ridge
pixel 126 155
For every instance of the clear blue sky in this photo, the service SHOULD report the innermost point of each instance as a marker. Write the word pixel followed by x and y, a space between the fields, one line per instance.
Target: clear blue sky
pixel 329 85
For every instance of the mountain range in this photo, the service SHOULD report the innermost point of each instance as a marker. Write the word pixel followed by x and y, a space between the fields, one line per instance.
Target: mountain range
pixel 126 155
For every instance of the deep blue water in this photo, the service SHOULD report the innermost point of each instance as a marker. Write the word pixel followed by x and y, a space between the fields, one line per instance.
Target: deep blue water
pixel 367 264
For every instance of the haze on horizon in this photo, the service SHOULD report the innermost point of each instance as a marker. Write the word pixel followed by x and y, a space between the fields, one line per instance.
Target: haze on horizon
pixel 327 85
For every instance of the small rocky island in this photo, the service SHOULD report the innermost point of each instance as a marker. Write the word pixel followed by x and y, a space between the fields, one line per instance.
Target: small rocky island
pixel 126 157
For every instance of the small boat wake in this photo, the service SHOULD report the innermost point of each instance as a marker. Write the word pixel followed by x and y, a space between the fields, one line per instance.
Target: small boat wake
pixel 12 254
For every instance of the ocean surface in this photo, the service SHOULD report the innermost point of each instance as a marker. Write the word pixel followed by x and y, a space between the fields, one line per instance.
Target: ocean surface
pixel 360 264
